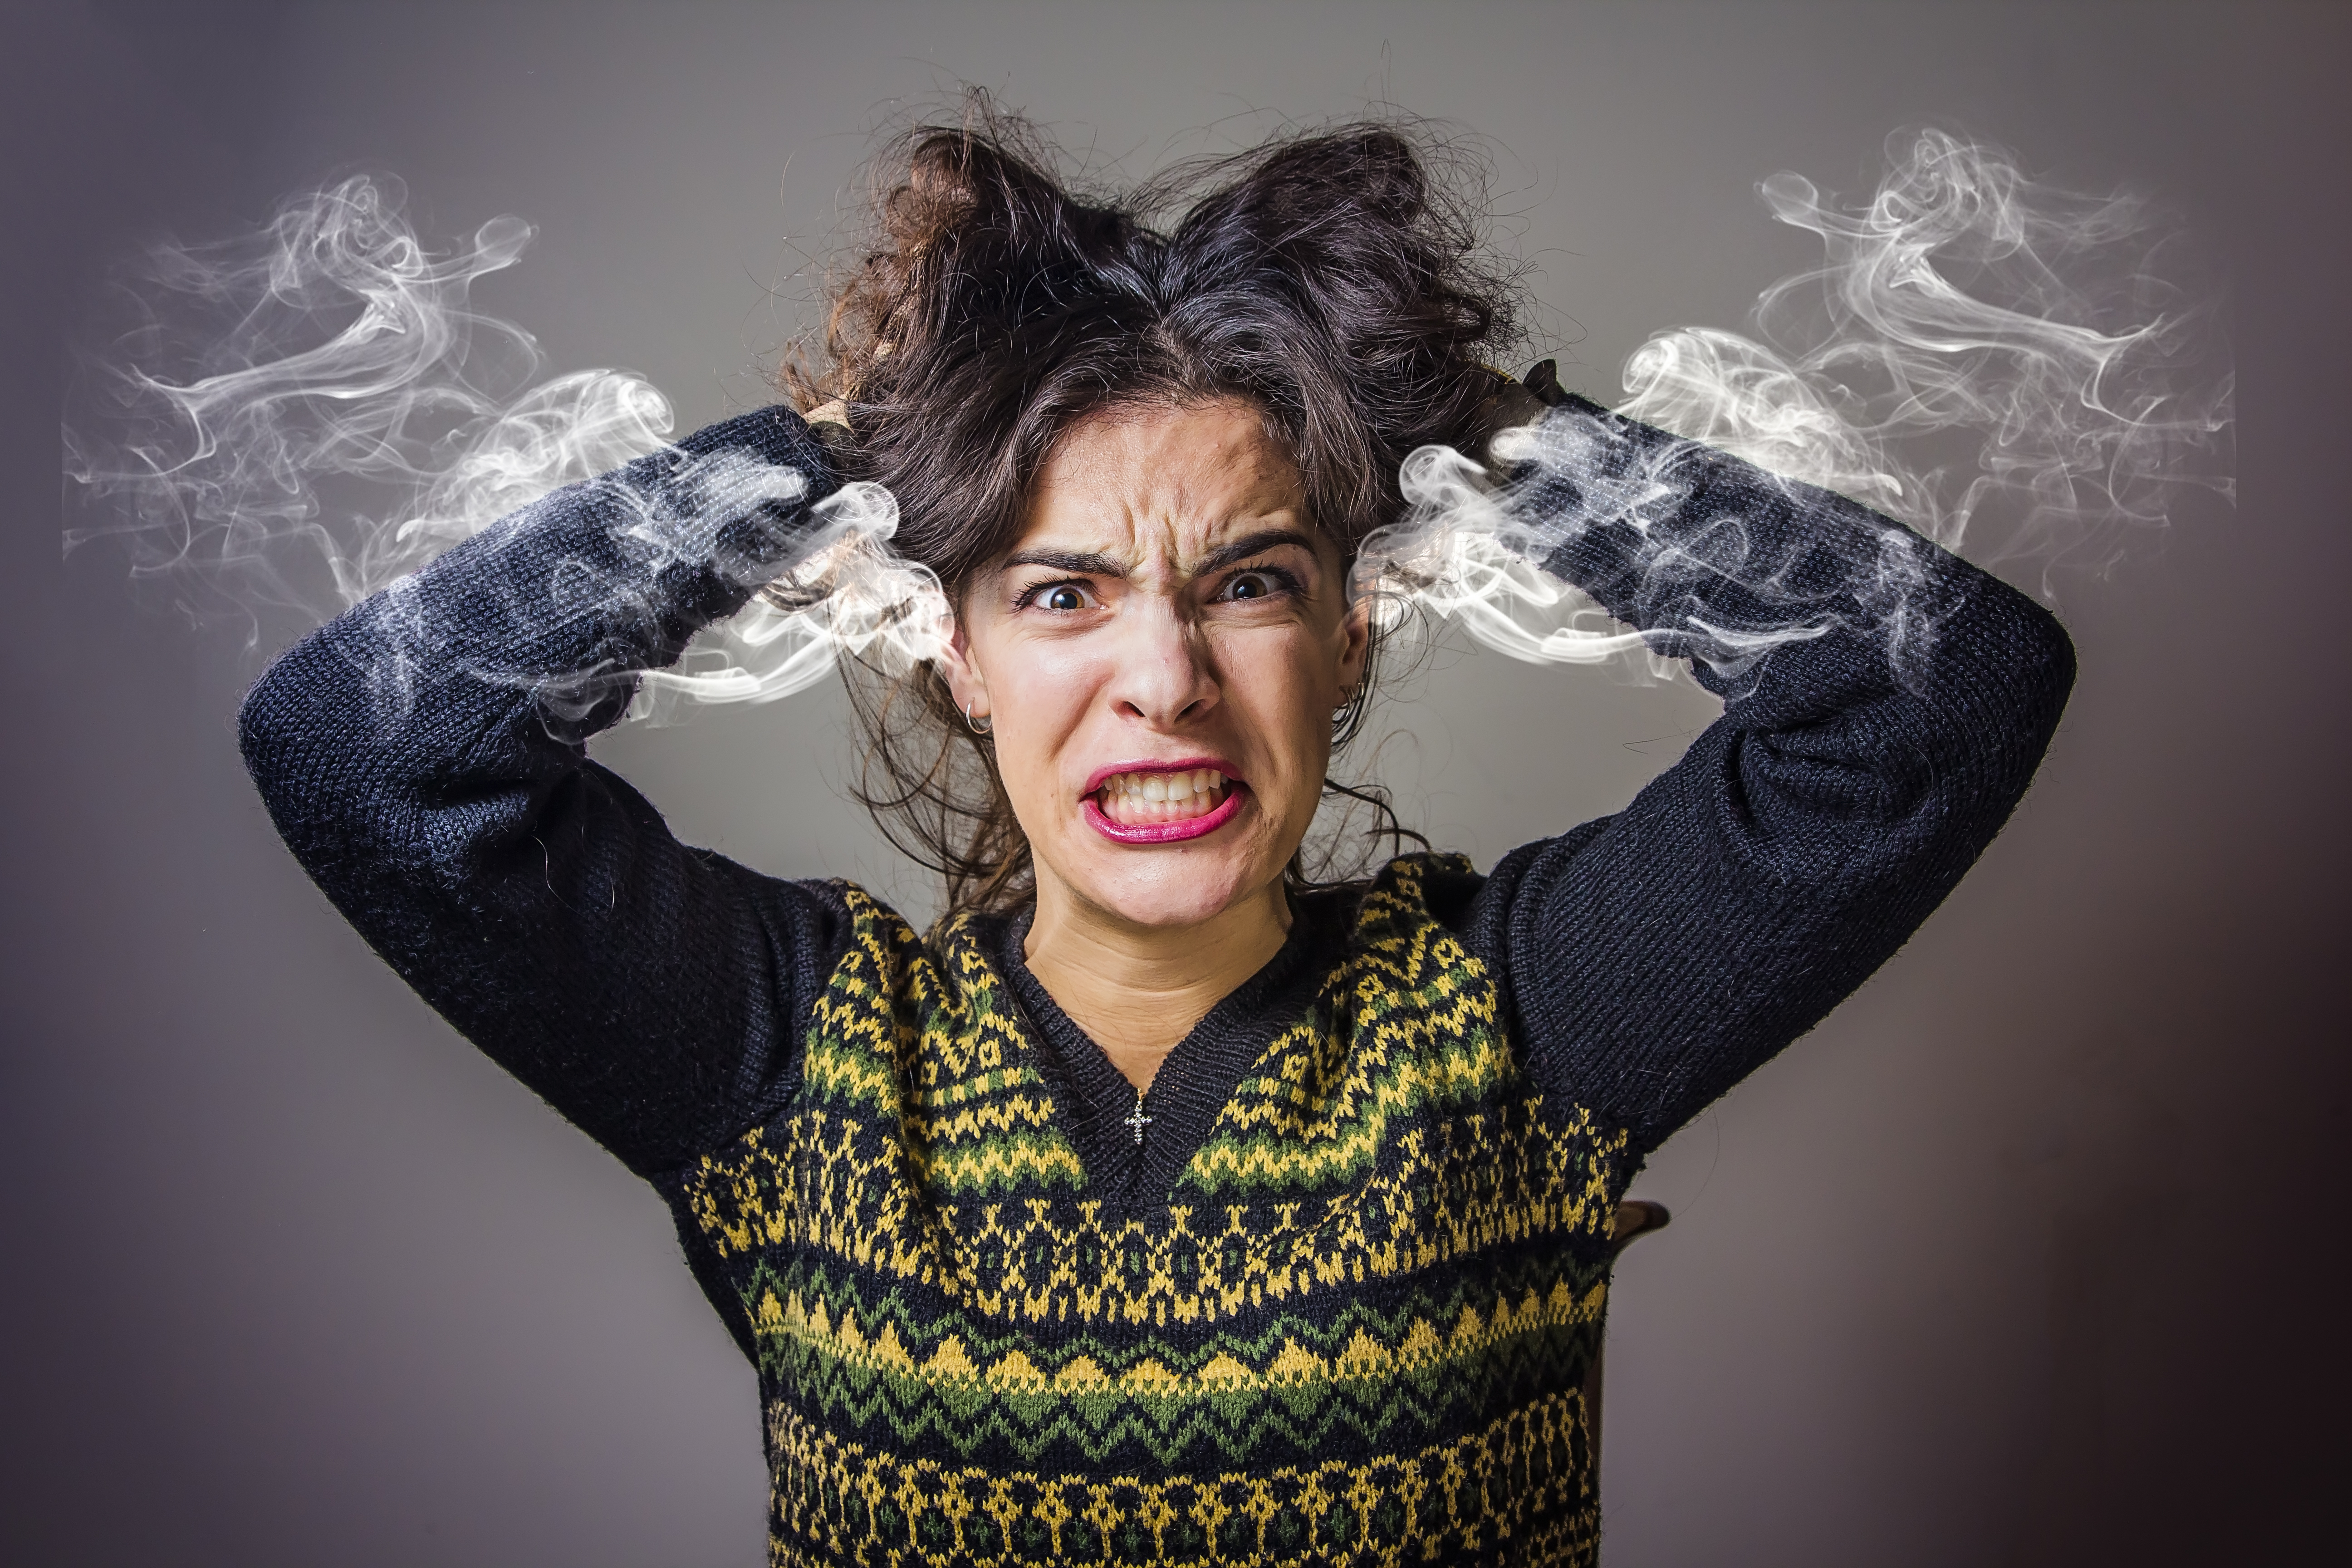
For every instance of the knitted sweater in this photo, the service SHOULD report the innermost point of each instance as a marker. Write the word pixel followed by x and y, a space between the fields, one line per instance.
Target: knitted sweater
pixel 1336 1299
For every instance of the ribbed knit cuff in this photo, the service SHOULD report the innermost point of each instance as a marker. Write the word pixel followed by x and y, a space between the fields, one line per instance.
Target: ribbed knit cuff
pixel 1708 555
pixel 576 593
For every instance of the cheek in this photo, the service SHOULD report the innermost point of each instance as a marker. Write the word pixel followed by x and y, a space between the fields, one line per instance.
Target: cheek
pixel 1054 677
pixel 1283 681
pixel 1041 693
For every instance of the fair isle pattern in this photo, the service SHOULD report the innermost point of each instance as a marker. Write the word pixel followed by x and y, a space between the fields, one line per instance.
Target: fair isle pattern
pixel 1356 1331
pixel 1513 1491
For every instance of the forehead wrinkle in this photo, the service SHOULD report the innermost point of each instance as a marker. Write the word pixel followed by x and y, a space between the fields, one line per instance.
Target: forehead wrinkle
pixel 1165 492
pixel 1158 549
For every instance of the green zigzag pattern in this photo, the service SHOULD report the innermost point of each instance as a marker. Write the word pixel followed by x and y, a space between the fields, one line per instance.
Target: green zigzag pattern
pixel 986 1341
pixel 1381 1170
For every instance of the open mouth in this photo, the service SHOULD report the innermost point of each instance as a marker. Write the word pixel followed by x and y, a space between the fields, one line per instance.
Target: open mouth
pixel 1155 804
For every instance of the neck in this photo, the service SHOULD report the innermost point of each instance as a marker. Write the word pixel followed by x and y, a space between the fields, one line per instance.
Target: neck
pixel 1138 990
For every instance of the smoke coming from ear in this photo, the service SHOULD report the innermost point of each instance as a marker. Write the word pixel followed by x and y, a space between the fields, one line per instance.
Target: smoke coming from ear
pixel 310 414
pixel 338 413
pixel 1993 362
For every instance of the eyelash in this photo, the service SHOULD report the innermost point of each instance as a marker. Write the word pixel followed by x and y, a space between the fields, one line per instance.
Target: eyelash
pixel 1286 581
pixel 1030 597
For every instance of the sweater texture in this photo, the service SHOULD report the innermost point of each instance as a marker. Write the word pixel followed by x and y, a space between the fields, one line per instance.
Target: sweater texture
pixel 1330 1292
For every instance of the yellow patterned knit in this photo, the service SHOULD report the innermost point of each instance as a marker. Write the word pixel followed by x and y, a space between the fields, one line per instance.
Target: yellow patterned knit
pixel 1355 1332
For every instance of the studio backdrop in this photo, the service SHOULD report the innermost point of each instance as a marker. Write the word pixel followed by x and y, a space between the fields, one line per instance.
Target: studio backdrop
pixel 2026 1255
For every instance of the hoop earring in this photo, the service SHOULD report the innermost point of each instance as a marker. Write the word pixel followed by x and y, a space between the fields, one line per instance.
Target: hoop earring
pixel 977 726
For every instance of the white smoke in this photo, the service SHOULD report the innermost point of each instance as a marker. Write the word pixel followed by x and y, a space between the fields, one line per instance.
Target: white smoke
pixel 1992 361
pixel 346 415
pixel 845 592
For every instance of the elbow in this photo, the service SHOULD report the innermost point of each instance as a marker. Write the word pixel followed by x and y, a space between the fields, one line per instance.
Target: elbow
pixel 274 722
pixel 2012 673
pixel 2036 675
pixel 300 731
pixel 262 727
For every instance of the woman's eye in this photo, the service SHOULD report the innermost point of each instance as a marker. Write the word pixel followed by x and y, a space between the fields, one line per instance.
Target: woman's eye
pixel 1062 596
pixel 1252 585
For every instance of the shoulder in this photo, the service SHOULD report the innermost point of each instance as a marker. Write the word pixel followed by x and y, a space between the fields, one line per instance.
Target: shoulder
pixel 873 924
pixel 1444 889
pixel 1404 932
pixel 921 981
pixel 1414 891
pixel 1441 904
pixel 880 954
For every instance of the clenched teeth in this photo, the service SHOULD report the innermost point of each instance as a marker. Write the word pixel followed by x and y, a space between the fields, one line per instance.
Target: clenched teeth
pixel 1131 798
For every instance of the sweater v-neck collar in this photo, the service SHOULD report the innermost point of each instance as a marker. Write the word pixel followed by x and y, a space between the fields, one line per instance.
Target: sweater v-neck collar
pixel 1097 1104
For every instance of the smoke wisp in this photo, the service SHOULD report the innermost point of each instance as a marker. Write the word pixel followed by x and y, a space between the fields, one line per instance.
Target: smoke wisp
pixel 339 413
pixel 1993 362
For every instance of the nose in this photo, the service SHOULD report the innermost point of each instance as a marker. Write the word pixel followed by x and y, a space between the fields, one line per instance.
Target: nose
pixel 1163 677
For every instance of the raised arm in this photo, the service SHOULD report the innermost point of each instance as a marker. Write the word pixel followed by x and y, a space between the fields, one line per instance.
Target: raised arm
pixel 1658 956
pixel 425 757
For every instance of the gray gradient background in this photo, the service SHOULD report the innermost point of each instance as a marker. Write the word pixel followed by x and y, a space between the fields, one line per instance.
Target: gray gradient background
pixel 2029 1255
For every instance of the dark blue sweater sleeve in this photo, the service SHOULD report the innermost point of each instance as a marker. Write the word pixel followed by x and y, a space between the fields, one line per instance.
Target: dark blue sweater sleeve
pixel 425 757
pixel 1656 957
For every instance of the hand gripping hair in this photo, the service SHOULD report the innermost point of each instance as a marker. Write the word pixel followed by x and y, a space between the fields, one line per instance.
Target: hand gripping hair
pixel 1992 361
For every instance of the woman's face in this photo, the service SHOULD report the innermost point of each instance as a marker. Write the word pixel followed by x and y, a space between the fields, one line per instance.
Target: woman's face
pixel 1161 654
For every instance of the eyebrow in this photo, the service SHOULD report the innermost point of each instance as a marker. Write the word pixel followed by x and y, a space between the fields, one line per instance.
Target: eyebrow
pixel 1094 563
pixel 1082 562
pixel 1255 544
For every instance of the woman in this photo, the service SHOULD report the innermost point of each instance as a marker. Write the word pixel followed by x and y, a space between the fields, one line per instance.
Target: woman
pixel 1161 1205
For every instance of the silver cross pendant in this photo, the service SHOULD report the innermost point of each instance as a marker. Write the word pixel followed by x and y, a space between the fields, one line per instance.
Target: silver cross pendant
pixel 1135 1118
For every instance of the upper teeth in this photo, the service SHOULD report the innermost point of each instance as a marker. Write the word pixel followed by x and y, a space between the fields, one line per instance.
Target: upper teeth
pixel 1164 786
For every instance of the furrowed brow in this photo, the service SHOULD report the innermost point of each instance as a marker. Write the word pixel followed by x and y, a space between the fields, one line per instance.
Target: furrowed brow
pixel 1077 562
pixel 1255 544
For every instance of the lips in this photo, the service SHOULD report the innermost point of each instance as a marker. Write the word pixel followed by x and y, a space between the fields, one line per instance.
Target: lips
pixel 1162 803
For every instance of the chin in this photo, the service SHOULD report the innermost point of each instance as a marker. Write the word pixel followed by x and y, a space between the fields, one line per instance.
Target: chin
pixel 1185 889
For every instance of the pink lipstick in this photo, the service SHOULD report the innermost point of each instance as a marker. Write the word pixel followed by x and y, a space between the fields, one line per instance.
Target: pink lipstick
pixel 1162 802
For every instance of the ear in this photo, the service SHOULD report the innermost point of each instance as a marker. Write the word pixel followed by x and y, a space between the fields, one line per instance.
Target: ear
pixel 1356 642
pixel 965 682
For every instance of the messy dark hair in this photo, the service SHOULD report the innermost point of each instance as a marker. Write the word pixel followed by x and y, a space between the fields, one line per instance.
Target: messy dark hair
pixel 1335 281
